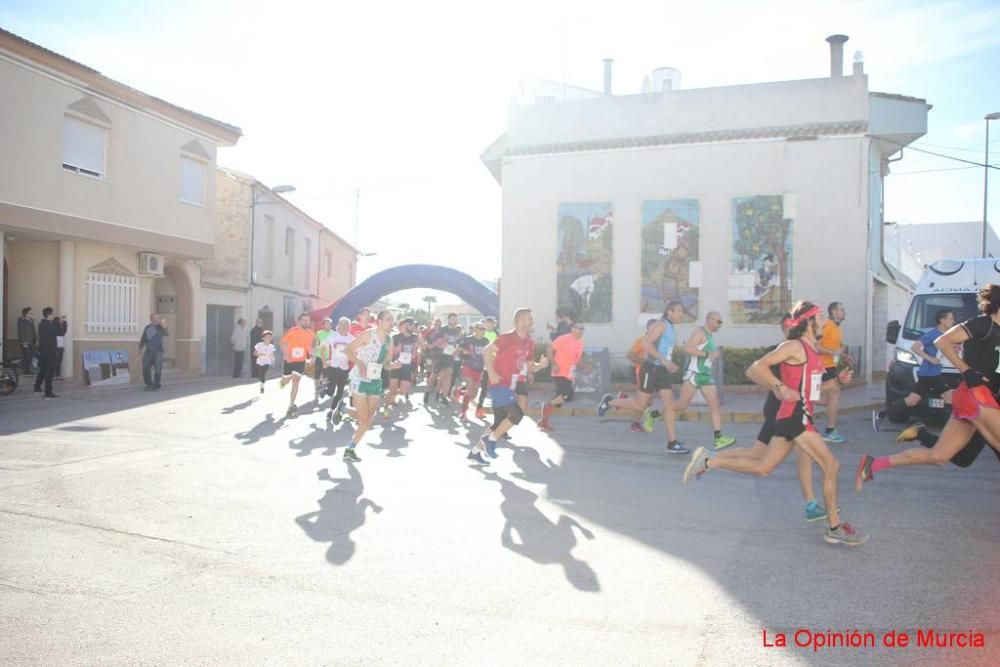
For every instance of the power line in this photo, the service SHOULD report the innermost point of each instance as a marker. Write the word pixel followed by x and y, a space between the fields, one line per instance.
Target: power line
pixel 947 157
pixel 928 171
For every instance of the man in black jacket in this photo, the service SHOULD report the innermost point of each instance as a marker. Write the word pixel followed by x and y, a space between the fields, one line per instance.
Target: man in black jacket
pixel 48 331
pixel 28 338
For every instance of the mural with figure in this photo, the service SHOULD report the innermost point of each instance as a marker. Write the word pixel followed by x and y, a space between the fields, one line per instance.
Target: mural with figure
pixel 585 243
pixel 760 276
pixel 670 267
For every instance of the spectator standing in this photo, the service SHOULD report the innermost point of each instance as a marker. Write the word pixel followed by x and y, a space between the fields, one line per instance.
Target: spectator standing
pixel 28 338
pixel 61 345
pixel 152 358
pixel 48 331
pixel 239 341
pixel 256 336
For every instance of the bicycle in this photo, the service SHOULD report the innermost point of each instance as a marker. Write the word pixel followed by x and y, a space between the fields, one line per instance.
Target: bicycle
pixel 8 378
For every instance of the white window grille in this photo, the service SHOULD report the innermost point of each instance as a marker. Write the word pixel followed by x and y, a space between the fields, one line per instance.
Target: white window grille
pixel 84 147
pixel 192 181
pixel 112 303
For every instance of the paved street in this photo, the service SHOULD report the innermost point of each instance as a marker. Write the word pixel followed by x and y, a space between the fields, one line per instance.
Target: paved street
pixel 198 526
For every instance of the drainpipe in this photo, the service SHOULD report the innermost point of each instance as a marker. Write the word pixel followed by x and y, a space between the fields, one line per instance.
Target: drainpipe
pixel 881 249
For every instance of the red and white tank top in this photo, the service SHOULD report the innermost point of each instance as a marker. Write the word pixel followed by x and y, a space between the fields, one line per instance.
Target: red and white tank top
pixel 806 379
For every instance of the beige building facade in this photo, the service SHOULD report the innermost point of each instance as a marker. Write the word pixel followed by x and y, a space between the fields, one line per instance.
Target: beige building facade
pixel 106 206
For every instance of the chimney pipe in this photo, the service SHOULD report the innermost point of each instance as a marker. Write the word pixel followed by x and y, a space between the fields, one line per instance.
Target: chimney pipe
pixel 836 55
pixel 607 75
pixel 859 63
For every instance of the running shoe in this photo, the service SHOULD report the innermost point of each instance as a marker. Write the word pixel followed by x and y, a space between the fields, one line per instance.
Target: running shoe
pixel 281 383
pixel 815 511
pixel 480 413
pixel 696 468
pixel 648 421
pixel 490 447
pixel 477 459
pixel 262 388
pixel 636 427
pixel 877 419
pixel 291 411
pixel 911 432
pixel 386 412
pixel 506 436
pixel 443 401
pixel 604 405
pixel 676 447
pixel 834 437
pixel 350 456
pixel 864 473
pixel 724 441
pixel 844 534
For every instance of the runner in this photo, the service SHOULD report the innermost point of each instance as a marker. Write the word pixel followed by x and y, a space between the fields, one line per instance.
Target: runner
pixel 831 348
pixel 362 323
pixel 435 345
pixel 814 510
pixel 801 375
pixel 471 350
pixel 319 360
pixel 337 367
pixel 368 352
pixel 929 381
pixel 654 376
pixel 445 342
pixel 567 350
pixel 504 360
pixel 702 350
pixel 491 335
pixel 405 347
pixel 296 346
pixel 564 323
pixel 456 366
pixel 264 352
pixel 975 407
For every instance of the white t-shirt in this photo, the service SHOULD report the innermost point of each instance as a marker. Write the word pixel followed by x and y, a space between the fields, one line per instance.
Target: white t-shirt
pixel 265 353
pixel 334 346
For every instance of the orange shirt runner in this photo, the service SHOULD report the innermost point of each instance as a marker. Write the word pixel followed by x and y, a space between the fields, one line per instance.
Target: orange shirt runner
pixel 298 342
pixel 568 350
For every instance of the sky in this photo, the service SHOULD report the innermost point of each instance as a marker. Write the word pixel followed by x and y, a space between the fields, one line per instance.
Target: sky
pixel 397 100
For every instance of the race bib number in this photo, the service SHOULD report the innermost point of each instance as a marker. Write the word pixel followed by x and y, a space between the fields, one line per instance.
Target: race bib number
pixel 815 382
pixel 449 350
pixel 936 402
pixel 298 352
pixel 405 357
pixel 373 371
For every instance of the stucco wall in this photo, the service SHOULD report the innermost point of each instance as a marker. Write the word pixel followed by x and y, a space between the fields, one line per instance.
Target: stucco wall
pixel 827 177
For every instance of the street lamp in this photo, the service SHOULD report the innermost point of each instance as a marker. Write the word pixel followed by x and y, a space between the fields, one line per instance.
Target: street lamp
pixel 986 174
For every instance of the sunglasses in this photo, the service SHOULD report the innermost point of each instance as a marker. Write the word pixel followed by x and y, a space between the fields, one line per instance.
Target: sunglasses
pixel 578 328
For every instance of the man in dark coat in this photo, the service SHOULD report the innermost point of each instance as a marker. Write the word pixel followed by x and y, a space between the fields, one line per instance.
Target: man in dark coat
pixel 48 332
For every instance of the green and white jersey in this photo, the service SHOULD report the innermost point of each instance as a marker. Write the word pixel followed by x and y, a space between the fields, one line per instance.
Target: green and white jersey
pixel 703 365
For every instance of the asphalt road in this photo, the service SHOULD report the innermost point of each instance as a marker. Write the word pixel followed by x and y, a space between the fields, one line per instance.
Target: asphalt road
pixel 197 526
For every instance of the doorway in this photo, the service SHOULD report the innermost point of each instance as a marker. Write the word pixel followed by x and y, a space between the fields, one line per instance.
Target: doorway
pixel 219 322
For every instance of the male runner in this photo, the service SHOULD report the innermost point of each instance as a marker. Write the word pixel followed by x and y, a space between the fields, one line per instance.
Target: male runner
pixel 337 367
pixel 368 352
pixel 456 366
pixel 929 380
pixel 974 407
pixel 801 375
pixel 319 360
pixel 504 360
pixel 446 344
pixel 565 354
pixel 296 346
pixel 831 347
pixel 814 511
pixel 698 377
pixel 405 346
pixel 471 349
pixel 362 323
pixel 491 335
pixel 654 377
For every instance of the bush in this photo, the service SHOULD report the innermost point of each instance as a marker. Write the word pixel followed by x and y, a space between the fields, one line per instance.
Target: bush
pixel 736 361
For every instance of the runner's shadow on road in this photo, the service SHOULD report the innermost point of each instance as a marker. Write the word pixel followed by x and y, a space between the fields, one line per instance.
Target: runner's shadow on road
pixel 317 438
pixel 444 420
pixel 533 469
pixel 264 429
pixel 239 406
pixel 393 440
pixel 529 533
pixel 342 511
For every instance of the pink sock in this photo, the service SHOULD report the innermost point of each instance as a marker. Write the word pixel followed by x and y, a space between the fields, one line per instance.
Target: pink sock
pixel 880 463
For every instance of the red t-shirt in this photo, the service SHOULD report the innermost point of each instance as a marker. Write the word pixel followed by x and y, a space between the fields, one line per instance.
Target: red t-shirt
pixel 357 328
pixel 513 356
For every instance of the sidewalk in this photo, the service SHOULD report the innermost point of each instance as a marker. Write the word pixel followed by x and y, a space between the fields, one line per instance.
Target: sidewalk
pixel 77 387
pixel 736 407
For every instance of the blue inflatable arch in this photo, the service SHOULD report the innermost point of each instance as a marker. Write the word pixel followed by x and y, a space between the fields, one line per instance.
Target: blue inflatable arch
pixel 413 276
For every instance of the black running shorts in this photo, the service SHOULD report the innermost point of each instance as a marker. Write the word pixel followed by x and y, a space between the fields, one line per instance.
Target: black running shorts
pixel 770 412
pixel 564 388
pixel 653 378
pixel 293 367
pixel 403 373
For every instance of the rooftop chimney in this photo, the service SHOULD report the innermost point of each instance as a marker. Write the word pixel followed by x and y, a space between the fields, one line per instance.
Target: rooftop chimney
pixel 836 55
pixel 607 75
pixel 859 63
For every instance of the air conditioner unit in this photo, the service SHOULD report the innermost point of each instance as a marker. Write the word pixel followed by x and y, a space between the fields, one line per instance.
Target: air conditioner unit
pixel 150 264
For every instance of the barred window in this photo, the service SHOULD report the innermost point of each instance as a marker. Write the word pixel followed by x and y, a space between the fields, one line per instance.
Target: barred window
pixel 112 303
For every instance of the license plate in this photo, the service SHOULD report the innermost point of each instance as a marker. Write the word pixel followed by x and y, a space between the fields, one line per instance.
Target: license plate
pixel 936 402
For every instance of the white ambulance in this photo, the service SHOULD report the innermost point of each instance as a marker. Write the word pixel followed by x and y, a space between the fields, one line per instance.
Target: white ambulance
pixel 947 284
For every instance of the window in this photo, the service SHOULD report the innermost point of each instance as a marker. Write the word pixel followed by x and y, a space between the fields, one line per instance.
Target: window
pixel 308 262
pixel 111 303
pixel 269 257
pixel 328 261
pixel 290 253
pixel 84 145
pixel 192 181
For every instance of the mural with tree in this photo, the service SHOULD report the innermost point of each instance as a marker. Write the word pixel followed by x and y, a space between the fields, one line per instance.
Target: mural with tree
pixel 760 278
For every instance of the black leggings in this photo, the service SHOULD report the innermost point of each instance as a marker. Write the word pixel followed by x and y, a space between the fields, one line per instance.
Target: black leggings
pixel 338 380
pixel 484 387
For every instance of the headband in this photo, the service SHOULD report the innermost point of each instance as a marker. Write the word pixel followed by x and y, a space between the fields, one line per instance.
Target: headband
pixel 808 315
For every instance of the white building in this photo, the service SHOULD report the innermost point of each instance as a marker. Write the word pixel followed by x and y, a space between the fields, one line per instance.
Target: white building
pixel 739 199
pixel 929 242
